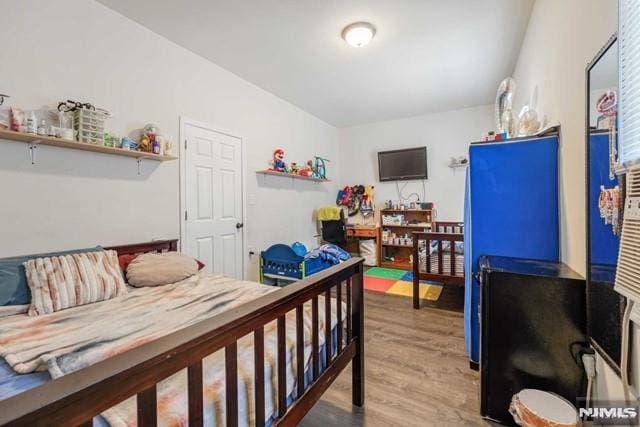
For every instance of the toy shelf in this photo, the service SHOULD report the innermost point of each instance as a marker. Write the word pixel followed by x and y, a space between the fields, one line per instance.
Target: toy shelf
pixel 32 139
pixel 416 226
pixel 291 175
pixel 393 245
pixel 417 220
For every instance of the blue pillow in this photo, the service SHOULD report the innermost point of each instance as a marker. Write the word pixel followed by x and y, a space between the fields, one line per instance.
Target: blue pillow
pixel 14 289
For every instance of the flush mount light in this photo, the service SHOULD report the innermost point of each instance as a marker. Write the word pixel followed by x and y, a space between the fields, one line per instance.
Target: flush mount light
pixel 358 34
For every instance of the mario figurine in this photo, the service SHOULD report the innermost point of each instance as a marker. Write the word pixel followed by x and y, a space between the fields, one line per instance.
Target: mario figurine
pixel 278 161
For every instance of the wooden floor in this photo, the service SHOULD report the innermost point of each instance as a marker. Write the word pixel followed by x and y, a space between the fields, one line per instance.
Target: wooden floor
pixel 417 372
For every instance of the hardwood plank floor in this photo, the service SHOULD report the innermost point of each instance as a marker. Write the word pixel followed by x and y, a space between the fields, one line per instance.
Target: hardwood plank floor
pixel 417 371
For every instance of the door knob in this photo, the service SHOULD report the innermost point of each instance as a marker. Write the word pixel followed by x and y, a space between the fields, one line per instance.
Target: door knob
pixel 239 225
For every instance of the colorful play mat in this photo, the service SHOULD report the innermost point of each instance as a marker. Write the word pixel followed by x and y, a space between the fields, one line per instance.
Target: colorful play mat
pixel 399 282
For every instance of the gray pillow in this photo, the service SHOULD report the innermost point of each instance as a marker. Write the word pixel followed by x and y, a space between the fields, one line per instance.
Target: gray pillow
pixel 14 289
pixel 154 269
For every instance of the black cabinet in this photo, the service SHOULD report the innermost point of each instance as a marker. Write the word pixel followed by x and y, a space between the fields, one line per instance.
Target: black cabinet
pixel 532 331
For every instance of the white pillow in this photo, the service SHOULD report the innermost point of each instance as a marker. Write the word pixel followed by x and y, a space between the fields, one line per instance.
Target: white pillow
pixel 66 281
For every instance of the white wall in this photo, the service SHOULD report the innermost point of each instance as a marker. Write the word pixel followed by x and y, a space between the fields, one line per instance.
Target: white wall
pixel 562 37
pixel 445 135
pixel 79 49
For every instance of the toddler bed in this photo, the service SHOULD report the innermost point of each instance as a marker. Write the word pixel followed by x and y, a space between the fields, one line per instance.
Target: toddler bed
pixel 291 263
pixel 438 256
pixel 150 356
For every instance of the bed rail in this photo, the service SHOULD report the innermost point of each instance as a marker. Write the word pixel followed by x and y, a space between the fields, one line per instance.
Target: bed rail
pixel 450 274
pixel 76 398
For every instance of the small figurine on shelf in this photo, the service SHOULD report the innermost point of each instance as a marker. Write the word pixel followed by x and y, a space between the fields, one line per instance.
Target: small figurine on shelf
pixel 293 168
pixel 320 169
pixel 308 170
pixel 278 161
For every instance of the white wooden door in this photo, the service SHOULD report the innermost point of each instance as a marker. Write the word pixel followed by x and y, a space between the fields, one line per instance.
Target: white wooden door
pixel 213 199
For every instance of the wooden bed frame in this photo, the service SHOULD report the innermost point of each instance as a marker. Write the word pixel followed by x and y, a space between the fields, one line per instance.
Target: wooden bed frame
pixel 76 398
pixel 445 231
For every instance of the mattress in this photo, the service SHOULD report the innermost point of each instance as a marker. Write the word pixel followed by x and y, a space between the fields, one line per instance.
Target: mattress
pixel 187 302
pixel 12 383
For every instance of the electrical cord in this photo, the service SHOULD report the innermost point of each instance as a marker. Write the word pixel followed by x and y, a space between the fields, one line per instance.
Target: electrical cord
pixel 401 196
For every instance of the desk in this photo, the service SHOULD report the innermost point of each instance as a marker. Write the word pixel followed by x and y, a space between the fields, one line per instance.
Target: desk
pixel 357 232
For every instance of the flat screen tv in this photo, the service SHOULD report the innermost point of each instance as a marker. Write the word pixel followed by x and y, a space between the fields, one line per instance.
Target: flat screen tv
pixel 403 165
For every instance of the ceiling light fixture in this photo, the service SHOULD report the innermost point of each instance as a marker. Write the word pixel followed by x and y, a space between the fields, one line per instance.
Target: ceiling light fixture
pixel 358 34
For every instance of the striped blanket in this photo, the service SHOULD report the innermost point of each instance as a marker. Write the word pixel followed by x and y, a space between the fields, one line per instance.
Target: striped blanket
pixel 69 340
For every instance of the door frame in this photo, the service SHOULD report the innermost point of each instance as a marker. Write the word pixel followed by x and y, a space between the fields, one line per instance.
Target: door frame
pixel 184 122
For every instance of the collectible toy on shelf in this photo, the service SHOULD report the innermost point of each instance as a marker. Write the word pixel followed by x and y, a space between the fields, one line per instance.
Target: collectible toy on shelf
pixel 308 170
pixel 320 167
pixel 294 169
pixel 278 161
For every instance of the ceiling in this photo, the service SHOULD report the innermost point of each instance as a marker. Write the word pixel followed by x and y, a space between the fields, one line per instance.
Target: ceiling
pixel 427 55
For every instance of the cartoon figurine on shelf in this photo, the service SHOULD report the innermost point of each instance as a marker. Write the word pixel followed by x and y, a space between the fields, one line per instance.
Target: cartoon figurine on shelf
pixel 308 170
pixel 320 167
pixel 278 161
pixel 294 169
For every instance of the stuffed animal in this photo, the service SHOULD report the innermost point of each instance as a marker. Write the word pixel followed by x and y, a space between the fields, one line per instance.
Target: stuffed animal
pixel 149 139
pixel 145 144
pixel 278 161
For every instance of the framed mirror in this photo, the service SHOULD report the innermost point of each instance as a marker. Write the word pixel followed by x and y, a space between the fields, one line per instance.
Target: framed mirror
pixel 604 199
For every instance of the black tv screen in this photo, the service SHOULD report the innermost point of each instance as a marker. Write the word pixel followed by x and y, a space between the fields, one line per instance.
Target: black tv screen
pixel 403 165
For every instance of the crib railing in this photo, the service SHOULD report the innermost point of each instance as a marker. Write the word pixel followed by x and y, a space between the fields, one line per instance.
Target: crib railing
pixel 446 232
pixel 76 398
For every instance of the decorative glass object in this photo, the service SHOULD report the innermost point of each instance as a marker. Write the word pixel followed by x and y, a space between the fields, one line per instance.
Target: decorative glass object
pixel 504 102
pixel 528 123
pixel 510 124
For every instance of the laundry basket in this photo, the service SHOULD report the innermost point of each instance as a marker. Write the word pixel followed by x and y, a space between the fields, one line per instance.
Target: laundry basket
pixel 368 251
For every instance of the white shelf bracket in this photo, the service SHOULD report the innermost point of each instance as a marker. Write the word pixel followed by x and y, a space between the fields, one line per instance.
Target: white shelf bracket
pixel 33 146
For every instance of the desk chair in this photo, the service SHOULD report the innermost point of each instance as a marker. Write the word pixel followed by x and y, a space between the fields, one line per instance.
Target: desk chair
pixel 334 231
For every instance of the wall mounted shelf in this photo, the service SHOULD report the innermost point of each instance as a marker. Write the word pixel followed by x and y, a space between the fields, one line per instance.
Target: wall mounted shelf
pixel 35 140
pixel 290 175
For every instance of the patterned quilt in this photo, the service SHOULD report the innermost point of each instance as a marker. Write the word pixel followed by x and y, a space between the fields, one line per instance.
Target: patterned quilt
pixel 69 340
